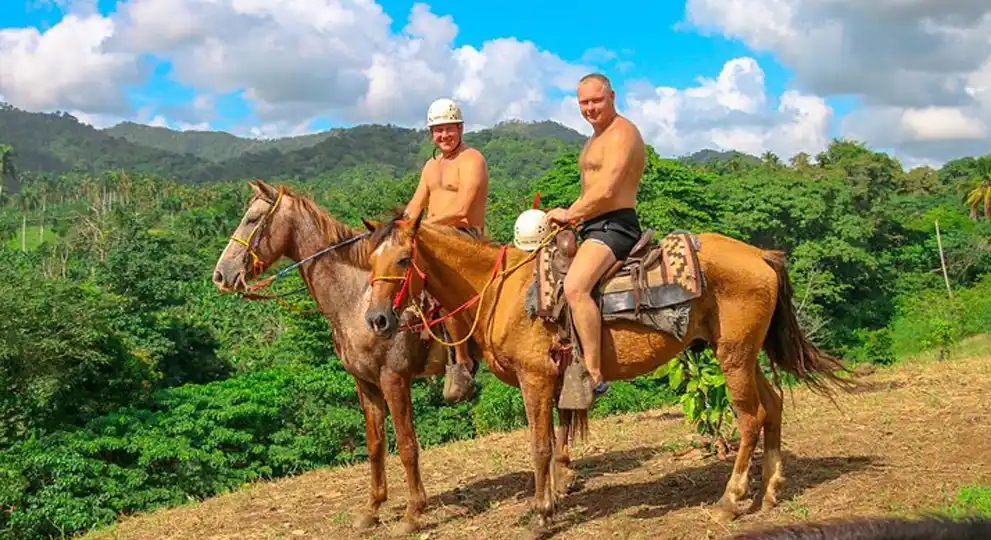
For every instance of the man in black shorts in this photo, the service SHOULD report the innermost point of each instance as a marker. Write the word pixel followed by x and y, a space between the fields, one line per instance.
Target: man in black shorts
pixel 619 230
pixel 611 164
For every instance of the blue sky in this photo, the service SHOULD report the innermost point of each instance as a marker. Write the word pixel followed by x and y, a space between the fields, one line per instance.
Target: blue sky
pixel 132 47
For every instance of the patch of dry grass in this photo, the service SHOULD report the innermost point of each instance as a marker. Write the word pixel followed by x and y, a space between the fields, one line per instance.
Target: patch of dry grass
pixel 903 444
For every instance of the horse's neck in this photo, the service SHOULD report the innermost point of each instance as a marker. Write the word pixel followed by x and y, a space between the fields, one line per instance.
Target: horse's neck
pixel 458 270
pixel 336 279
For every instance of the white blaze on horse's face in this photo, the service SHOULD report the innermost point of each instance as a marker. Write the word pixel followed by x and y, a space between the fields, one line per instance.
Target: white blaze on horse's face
pixel 386 244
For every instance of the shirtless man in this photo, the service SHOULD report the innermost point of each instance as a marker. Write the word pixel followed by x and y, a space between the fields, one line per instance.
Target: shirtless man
pixel 611 164
pixel 454 188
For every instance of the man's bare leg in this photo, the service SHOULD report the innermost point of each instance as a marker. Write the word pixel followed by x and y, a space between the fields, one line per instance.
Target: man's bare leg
pixel 591 261
pixel 458 386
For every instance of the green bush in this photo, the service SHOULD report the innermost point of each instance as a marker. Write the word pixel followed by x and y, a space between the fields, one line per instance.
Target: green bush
pixel 196 441
pixel 933 320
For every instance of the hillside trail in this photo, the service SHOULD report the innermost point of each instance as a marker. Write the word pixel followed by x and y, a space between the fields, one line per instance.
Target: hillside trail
pixel 902 444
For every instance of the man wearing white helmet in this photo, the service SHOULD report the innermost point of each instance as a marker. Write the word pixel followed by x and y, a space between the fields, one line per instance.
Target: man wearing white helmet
pixel 611 164
pixel 453 189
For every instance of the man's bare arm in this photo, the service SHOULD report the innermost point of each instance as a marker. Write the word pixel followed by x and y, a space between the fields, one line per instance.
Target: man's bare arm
pixel 617 159
pixel 419 199
pixel 474 176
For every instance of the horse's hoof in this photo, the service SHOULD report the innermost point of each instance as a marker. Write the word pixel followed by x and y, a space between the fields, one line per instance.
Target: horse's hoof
pixel 407 526
pixel 539 528
pixel 364 521
pixel 725 511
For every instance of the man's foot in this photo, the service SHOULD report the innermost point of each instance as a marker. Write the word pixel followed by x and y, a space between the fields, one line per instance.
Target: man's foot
pixel 458 382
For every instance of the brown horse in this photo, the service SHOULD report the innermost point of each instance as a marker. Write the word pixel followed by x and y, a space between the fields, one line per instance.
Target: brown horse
pixel 746 306
pixel 279 223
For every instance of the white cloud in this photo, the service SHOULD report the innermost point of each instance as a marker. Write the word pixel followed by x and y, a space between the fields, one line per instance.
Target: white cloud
pixel 306 59
pixel 730 112
pixel 67 66
pixel 921 68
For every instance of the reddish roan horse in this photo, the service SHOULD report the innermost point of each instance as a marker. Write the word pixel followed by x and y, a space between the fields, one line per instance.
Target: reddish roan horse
pixel 746 307
pixel 279 223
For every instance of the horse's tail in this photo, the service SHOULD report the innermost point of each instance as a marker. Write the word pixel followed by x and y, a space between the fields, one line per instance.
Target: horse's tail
pixel 787 346
pixel 576 425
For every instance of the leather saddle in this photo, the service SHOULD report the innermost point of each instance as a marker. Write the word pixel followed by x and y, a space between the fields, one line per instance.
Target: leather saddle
pixel 657 274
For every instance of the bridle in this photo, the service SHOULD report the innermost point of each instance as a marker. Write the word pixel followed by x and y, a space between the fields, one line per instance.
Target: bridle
pixel 258 265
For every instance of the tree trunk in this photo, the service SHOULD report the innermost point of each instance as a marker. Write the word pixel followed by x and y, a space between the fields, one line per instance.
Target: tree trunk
pixel 41 222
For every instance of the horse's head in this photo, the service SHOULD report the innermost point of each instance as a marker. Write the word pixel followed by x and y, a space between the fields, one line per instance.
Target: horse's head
pixel 261 238
pixel 395 277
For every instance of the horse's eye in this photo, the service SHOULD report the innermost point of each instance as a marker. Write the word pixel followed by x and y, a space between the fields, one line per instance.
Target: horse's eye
pixel 405 260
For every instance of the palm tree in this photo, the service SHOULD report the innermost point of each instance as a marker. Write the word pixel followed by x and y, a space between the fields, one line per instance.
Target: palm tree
pixel 770 159
pixel 6 166
pixel 980 191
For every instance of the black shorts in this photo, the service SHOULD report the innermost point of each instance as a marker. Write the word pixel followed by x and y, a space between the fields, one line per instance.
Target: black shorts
pixel 619 230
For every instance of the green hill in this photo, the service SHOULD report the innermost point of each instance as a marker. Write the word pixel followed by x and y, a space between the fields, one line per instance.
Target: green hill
pixel 58 142
pixel 215 146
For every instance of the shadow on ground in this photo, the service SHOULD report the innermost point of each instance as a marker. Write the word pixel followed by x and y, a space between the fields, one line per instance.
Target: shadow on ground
pixel 652 498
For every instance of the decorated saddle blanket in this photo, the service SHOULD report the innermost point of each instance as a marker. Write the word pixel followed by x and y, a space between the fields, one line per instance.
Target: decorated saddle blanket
pixel 653 286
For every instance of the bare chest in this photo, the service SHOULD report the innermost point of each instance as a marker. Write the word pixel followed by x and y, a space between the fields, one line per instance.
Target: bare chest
pixel 592 155
pixel 445 176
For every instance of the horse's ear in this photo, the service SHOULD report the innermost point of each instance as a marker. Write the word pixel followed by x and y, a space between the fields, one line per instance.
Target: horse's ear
pixel 371 225
pixel 254 187
pixel 266 190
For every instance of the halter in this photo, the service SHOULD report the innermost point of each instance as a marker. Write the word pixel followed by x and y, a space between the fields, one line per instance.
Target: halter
pixel 258 265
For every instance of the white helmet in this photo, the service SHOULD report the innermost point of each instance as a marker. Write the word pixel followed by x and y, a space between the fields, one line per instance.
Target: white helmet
pixel 530 229
pixel 444 111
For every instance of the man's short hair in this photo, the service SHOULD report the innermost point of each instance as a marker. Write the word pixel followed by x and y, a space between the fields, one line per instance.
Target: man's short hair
pixel 599 77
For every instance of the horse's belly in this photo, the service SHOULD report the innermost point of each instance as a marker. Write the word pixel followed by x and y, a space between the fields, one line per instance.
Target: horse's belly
pixel 630 350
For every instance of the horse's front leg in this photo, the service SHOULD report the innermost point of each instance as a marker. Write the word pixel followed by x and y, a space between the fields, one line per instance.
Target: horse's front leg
pixel 396 387
pixel 373 406
pixel 538 397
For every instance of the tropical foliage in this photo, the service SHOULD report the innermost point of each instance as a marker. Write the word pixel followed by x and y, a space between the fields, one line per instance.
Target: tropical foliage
pixel 128 382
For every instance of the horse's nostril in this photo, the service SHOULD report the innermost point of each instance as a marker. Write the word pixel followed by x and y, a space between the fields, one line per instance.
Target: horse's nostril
pixel 377 321
pixel 218 278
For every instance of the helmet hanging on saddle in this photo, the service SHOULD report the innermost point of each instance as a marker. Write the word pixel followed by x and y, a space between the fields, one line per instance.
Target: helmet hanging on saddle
pixel 530 229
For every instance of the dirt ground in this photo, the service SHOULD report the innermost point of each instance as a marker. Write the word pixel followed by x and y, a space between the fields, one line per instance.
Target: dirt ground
pixel 901 445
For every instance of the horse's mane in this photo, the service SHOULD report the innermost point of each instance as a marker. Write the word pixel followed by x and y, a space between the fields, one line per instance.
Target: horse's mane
pixel 395 218
pixel 332 229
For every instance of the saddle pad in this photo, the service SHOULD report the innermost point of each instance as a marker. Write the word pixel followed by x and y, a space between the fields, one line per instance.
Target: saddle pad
pixel 673 275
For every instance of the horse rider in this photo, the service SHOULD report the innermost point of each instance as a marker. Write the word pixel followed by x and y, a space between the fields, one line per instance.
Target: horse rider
pixel 453 188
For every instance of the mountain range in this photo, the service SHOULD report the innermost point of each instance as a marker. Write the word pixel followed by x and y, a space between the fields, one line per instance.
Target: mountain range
pixel 58 142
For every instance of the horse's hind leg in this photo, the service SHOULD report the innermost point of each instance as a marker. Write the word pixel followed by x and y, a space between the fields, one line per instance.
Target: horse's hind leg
pixel 772 469
pixel 739 360
pixel 373 405
pixel 563 474
pixel 396 387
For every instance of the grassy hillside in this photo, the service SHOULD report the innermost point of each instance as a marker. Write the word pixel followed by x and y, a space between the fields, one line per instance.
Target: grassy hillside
pixel 58 142
pixel 911 441
pixel 517 152
pixel 215 146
